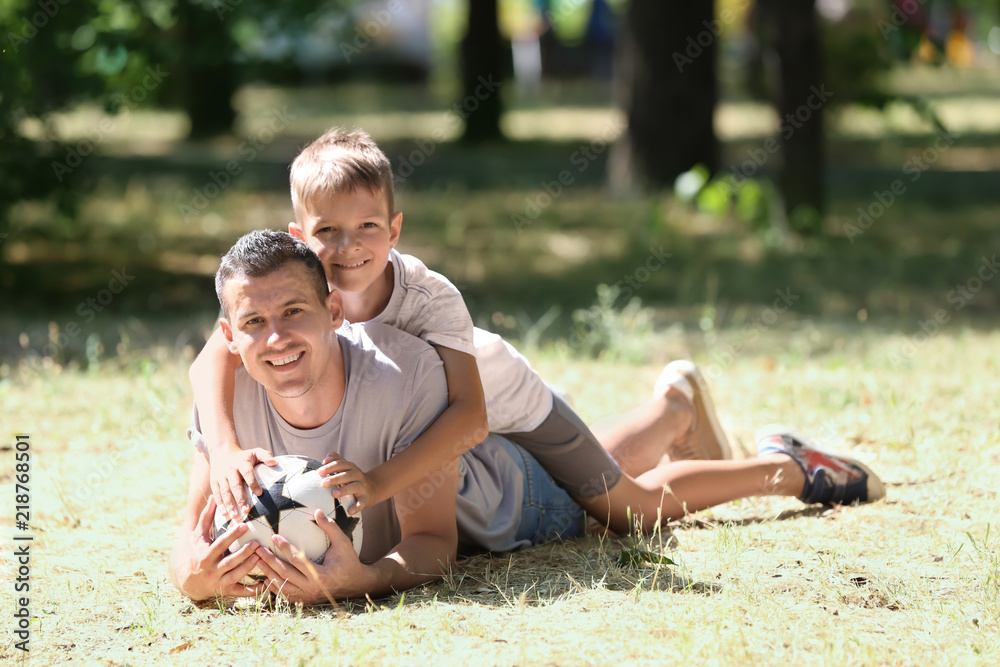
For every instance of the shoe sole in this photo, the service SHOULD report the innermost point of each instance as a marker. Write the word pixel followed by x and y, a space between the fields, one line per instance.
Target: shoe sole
pixel 876 488
pixel 716 446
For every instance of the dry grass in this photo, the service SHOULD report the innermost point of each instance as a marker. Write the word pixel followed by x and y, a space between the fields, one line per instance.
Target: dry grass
pixel 912 580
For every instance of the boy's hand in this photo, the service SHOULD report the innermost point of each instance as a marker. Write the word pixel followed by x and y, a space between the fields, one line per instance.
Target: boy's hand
pixel 348 479
pixel 229 469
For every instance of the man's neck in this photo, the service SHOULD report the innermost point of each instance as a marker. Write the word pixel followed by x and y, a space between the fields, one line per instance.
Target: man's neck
pixel 369 304
pixel 318 405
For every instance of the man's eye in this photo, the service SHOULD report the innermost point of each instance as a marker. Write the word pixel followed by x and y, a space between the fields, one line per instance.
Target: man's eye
pixel 369 225
pixel 293 311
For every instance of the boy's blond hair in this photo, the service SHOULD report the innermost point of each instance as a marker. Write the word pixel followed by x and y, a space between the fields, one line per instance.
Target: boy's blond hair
pixel 340 161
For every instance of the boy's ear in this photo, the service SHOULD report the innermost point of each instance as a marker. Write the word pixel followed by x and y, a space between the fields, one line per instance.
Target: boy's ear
pixel 295 229
pixel 227 331
pixel 335 303
pixel 395 225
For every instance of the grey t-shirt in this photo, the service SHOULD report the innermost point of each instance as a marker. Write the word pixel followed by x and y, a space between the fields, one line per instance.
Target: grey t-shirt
pixel 395 389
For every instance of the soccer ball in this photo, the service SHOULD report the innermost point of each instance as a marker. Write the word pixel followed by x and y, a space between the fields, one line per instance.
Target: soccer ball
pixel 291 492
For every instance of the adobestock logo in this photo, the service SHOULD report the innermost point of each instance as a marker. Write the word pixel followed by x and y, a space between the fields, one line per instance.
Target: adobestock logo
pixel 958 298
pixel 696 45
pixel 407 164
pixel 884 199
pixel 123 105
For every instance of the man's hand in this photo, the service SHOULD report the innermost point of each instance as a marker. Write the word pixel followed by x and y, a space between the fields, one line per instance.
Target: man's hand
pixel 348 479
pixel 341 575
pixel 230 468
pixel 204 569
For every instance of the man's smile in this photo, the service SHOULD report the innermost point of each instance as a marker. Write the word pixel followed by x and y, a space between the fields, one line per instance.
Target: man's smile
pixel 284 361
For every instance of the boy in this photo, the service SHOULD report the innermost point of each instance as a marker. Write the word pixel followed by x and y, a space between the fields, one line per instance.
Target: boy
pixel 342 196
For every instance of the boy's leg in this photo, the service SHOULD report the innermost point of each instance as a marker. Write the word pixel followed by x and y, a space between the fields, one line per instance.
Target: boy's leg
pixel 678 423
pixel 568 450
pixel 787 464
pixel 588 464
pixel 672 490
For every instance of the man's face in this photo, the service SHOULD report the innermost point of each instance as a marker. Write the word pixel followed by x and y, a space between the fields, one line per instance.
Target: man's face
pixel 352 233
pixel 282 330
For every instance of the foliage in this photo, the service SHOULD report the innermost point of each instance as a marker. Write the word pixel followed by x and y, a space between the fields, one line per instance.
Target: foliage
pixel 753 201
pixel 120 56
pixel 607 331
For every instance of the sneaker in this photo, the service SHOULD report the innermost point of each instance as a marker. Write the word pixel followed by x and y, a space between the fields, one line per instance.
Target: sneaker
pixel 830 478
pixel 706 440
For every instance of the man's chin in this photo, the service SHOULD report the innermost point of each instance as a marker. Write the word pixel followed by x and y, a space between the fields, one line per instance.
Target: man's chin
pixel 290 390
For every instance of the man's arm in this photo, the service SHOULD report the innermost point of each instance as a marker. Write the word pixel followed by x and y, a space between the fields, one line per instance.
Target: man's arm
pixel 428 545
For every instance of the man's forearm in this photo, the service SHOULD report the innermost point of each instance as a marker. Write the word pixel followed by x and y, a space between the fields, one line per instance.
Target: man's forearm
pixel 416 560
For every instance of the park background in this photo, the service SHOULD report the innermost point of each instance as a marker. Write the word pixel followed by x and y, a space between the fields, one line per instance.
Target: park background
pixel 801 196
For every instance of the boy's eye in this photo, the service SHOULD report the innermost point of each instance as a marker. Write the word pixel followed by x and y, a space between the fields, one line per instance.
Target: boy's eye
pixel 369 225
pixel 253 321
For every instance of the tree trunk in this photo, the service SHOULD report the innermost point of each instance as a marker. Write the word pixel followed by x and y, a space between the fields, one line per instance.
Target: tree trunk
pixel 207 73
pixel 792 29
pixel 482 74
pixel 667 86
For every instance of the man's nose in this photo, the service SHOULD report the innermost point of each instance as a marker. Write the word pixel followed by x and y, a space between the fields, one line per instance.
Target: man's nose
pixel 277 333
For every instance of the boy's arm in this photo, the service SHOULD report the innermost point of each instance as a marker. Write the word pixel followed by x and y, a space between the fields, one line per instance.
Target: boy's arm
pixel 458 429
pixel 213 380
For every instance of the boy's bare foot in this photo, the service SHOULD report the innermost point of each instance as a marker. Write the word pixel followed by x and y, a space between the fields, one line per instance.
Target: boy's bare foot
pixel 706 438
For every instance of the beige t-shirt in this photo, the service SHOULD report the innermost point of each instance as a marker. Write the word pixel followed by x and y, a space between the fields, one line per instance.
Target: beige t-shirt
pixel 395 389
pixel 425 303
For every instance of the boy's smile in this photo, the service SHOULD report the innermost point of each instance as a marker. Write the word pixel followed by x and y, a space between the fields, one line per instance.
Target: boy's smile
pixel 352 232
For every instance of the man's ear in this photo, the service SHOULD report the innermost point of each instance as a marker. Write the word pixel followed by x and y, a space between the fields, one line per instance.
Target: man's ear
pixel 395 226
pixel 335 303
pixel 227 331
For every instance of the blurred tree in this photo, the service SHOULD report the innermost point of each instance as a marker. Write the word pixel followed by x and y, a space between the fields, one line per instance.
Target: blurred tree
pixel 118 55
pixel 206 79
pixel 789 30
pixel 666 83
pixel 482 70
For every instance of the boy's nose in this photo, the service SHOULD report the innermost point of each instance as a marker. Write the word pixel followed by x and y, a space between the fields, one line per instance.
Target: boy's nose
pixel 346 240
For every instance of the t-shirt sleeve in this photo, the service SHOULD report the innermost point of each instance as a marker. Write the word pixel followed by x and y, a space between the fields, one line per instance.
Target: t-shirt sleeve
pixel 433 308
pixel 449 324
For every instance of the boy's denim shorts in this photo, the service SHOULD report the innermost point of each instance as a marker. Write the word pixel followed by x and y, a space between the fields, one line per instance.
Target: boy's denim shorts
pixel 548 512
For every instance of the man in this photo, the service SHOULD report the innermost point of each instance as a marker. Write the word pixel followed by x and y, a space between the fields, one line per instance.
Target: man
pixel 307 389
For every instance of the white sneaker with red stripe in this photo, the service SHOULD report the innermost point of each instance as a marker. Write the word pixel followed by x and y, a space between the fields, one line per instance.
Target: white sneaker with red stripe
pixel 830 478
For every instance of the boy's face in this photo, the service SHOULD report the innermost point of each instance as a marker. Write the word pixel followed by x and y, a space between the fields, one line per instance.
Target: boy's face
pixel 352 232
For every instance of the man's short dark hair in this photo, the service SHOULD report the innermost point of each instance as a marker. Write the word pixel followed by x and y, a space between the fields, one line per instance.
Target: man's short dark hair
pixel 261 253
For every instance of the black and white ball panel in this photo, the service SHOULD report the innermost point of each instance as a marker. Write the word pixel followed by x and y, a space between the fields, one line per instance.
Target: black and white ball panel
pixel 292 491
